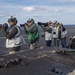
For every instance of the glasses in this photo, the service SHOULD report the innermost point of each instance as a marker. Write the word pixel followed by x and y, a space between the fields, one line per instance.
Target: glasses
pixel 29 21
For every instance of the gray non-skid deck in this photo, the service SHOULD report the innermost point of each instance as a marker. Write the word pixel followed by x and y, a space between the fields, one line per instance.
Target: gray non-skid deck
pixel 41 62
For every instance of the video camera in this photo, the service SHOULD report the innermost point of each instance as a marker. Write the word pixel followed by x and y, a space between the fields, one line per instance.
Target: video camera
pixel 4 26
pixel 22 25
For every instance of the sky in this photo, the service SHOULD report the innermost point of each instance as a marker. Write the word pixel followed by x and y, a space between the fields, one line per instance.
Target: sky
pixel 40 10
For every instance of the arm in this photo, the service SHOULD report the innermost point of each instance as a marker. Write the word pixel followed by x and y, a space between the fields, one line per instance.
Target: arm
pixel 48 29
pixel 11 34
pixel 25 27
pixel 31 29
pixel 65 32
pixel 43 27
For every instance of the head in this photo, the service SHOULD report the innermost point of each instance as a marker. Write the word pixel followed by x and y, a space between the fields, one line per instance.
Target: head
pixel 49 23
pixel 61 24
pixel 12 21
pixel 30 22
pixel 56 23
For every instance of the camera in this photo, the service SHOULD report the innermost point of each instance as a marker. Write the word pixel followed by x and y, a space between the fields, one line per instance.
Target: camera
pixel 22 25
pixel 4 26
pixel 54 32
pixel 45 24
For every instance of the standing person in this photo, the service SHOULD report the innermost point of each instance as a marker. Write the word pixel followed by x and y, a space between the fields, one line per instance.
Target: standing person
pixel 33 33
pixel 47 27
pixel 13 36
pixel 56 33
pixel 63 36
pixel 59 34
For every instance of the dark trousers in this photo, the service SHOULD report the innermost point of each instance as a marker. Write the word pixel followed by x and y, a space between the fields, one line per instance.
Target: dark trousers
pixel 63 42
pixel 48 43
pixel 56 42
pixel 16 49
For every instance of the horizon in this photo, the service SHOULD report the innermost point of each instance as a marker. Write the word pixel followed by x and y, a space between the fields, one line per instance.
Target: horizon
pixel 60 10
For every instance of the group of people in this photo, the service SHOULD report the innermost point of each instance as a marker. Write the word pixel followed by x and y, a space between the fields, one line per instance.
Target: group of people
pixel 14 38
pixel 53 32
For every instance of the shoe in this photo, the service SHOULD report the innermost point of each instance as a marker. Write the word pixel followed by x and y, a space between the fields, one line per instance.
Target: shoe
pixel 12 52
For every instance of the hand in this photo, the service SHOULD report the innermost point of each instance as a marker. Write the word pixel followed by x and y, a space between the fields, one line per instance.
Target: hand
pixel 2 29
pixel 26 26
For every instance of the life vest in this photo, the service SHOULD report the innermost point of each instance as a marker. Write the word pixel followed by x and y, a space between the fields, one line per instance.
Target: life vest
pixel 16 40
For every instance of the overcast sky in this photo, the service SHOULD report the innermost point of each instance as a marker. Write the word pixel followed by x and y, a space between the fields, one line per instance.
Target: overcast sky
pixel 40 10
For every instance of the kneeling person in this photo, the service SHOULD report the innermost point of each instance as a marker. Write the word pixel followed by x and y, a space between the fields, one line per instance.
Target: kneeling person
pixel 72 45
pixel 13 36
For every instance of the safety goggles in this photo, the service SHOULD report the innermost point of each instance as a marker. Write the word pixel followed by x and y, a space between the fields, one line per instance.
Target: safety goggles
pixel 11 20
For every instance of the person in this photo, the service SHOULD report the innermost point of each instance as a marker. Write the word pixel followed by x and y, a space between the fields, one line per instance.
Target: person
pixel 72 44
pixel 59 34
pixel 47 27
pixel 33 33
pixel 13 36
pixel 63 36
pixel 56 34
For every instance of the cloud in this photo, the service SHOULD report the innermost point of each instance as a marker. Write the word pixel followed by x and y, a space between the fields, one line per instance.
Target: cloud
pixel 29 8
pixel 57 10
pixel 32 8
pixel 66 1
pixel 43 8
pixel 39 10
pixel 60 10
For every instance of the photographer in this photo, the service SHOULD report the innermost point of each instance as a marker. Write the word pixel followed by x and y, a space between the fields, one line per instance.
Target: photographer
pixel 33 34
pixel 47 27
pixel 13 36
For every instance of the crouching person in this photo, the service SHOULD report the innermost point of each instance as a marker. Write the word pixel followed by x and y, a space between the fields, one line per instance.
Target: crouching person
pixel 72 45
pixel 47 27
pixel 13 36
pixel 33 34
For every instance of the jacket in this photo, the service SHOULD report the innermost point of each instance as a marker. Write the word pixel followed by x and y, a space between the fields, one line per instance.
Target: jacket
pixel 16 40
pixel 33 32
